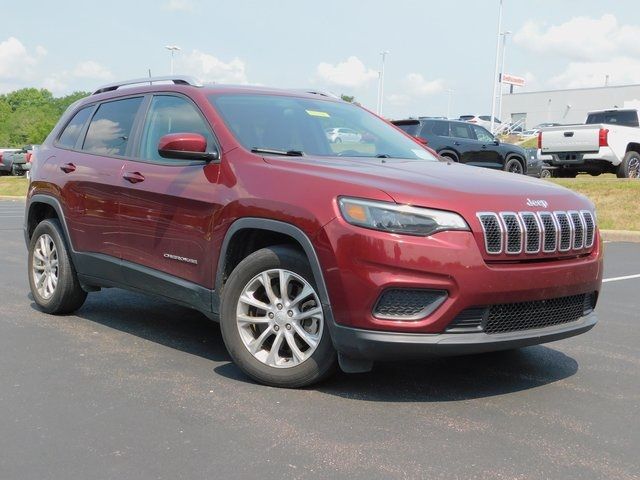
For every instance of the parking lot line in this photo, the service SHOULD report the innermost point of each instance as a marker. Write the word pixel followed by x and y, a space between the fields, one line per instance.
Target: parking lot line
pixel 615 279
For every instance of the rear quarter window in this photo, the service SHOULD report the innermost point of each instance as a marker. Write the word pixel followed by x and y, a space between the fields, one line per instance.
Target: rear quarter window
pixel 71 132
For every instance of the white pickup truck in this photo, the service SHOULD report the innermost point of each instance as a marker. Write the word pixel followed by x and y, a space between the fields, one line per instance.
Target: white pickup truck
pixel 608 142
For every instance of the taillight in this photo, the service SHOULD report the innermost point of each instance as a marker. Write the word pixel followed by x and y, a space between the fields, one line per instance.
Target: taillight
pixel 603 137
pixel 539 140
pixel 423 141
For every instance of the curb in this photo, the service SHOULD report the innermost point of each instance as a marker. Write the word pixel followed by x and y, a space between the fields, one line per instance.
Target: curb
pixel 620 236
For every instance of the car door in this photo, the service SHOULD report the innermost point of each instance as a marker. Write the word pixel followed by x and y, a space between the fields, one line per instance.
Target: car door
pixel 167 212
pixel 463 142
pixel 87 166
pixel 490 154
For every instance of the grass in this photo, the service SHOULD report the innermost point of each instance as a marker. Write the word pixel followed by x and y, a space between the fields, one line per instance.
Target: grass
pixel 13 186
pixel 616 199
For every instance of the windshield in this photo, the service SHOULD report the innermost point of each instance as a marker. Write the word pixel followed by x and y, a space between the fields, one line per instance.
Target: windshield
pixel 292 125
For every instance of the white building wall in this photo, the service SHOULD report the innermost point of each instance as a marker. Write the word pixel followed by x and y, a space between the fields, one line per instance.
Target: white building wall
pixel 567 106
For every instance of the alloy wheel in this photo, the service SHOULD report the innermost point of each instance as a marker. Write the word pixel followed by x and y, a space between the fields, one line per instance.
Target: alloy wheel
pixel 280 318
pixel 634 168
pixel 44 266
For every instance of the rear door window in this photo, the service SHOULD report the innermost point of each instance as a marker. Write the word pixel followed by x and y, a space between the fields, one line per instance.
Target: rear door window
pixel 461 130
pixel 72 131
pixel 110 127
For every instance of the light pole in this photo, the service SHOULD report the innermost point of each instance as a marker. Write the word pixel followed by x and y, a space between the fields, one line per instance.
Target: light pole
pixel 384 54
pixel 504 54
pixel 495 73
pixel 172 49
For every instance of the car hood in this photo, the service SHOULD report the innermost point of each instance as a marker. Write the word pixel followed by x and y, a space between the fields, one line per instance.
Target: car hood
pixel 444 185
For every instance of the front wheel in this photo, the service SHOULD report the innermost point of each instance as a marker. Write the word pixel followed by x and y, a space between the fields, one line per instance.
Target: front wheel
pixel 630 166
pixel 272 321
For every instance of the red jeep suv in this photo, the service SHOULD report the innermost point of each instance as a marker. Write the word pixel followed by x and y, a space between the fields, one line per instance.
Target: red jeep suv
pixel 232 200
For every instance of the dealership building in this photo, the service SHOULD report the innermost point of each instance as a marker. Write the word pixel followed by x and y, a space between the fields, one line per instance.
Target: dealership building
pixel 566 106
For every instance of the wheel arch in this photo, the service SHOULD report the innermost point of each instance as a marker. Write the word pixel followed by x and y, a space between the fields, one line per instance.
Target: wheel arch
pixel 253 234
pixel 633 147
pixel 518 157
pixel 41 207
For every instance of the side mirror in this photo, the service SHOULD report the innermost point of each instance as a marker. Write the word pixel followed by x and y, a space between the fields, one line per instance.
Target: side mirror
pixel 496 141
pixel 186 146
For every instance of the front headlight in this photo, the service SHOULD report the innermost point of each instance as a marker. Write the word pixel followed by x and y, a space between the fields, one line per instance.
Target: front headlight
pixel 394 218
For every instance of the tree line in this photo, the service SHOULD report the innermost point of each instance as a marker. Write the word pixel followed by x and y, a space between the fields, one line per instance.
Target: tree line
pixel 28 115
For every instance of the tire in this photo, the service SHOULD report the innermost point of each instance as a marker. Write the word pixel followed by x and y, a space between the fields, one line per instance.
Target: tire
pixel 449 157
pixel 15 171
pixel 288 370
pixel 544 173
pixel 630 166
pixel 61 296
pixel 514 165
pixel 338 140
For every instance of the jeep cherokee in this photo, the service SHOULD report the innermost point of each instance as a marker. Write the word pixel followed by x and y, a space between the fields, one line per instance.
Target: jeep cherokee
pixel 311 254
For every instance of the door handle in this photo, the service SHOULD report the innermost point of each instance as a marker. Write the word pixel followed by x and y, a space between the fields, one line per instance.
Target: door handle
pixel 456 144
pixel 133 177
pixel 68 167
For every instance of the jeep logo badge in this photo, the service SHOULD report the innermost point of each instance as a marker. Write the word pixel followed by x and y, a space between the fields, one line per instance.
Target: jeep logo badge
pixel 537 203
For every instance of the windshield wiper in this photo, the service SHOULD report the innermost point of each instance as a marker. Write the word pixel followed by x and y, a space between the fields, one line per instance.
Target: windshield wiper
pixel 288 153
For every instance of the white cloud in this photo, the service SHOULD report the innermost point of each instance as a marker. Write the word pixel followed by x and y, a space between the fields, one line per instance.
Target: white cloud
pixel 621 70
pixel 15 60
pixel 41 51
pixel 581 38
pixel 92 69
pixel 212 69
pixel 351 73
pixel 417 85
pixel 178 6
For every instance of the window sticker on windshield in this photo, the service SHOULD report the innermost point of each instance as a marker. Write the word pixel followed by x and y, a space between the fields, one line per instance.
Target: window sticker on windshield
pixel 316 113
pixel 423 154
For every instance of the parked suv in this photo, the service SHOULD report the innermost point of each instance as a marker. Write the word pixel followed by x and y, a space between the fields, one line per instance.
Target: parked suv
pixel 232 201
pixel 466 143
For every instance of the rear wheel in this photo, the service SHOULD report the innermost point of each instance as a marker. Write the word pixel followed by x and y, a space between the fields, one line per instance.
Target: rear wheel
pixel 273 322
pixel 514 165
pixel 544 173
pixel 630 166
pixel 15 171
pixel 52 277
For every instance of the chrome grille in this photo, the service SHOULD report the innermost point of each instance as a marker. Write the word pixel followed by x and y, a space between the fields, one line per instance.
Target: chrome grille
pixel 566 231
pixel 578 230
pixel 492 230
pixel 589 226
pixel 531 232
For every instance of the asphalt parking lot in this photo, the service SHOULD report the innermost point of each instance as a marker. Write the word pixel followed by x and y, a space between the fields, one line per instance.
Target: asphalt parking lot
pixel 136 388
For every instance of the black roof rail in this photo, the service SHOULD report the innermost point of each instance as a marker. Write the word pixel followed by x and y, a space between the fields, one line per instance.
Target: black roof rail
pixel 176 79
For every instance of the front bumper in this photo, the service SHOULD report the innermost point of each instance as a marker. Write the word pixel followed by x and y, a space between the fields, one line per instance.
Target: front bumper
pixel 378 345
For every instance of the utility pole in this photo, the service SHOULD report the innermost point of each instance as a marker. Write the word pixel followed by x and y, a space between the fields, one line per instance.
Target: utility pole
pixel 172 49
pixel 504 54
pixel 384 54
pixel 495 73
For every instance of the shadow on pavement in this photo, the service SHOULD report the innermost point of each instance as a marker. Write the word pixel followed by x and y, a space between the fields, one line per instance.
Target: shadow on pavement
pixel 432 380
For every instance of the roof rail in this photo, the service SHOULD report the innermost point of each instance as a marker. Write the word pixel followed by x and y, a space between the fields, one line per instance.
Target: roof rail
pixel 176 79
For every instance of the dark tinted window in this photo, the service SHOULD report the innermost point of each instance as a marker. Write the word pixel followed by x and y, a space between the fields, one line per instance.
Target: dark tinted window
pixel 110 127
pixel 410 126
pixel 170 114
pixel 482 134
pixel 627 118
pixel 460 130
pixel 440 129
pixel 73 129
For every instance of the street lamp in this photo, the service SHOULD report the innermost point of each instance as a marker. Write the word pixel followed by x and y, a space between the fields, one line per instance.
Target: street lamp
pixel 495 74
pixel 504 54
pixel 172 49
pixel 384 54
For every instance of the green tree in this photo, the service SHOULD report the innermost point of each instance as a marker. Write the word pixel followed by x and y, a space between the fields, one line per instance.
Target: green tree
pixel 28 115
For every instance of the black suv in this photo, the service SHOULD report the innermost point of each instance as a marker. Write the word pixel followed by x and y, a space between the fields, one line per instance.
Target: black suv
pixel 466 143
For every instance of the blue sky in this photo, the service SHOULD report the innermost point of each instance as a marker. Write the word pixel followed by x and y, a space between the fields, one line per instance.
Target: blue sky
pixel 331 44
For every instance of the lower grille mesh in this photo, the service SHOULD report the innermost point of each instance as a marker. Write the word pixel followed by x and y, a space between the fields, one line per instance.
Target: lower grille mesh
pixel 513 317
pixel 407 304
